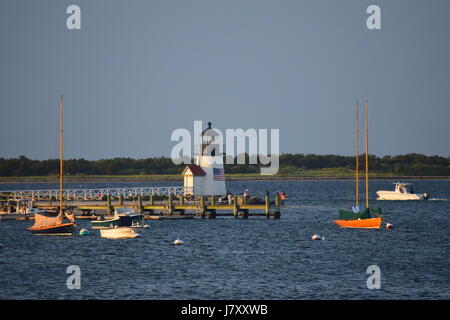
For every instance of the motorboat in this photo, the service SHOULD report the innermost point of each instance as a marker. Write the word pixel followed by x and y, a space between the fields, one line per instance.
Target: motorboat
pixel 402 191
pixel 123 217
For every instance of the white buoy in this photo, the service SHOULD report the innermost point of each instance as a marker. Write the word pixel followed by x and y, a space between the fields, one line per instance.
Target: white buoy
pixel 178 242
pixel 389 226
pixel 84 232
pixel 316 237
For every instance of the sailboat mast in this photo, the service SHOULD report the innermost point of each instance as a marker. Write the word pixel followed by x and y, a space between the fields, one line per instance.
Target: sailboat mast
pixel 60 157
pixel 357 157
pixel 367 152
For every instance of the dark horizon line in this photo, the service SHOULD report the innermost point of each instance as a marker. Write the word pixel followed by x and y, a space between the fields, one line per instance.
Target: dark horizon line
pixel 282 154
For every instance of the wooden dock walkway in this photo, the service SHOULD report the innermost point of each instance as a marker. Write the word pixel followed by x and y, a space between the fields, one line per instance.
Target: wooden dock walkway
pixel 172 207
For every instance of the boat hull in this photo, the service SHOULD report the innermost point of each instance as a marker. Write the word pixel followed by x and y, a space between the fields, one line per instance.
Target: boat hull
pixel 372 223
pixel 121 221
pixel 65 229
pixel 392 195
pixel 105 224
pixel 15 216
pixel 119 233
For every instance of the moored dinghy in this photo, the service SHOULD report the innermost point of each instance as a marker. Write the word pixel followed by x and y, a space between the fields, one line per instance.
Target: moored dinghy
pixel 119 233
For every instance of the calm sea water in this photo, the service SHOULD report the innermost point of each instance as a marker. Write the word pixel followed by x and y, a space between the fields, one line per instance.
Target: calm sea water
pixel 256 258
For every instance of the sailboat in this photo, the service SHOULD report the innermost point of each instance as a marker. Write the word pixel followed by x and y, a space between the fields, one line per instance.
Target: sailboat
pixel 358 218
pixel 48 225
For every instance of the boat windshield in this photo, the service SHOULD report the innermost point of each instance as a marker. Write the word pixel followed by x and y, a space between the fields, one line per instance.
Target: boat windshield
pixel 124 210
pixel 403 188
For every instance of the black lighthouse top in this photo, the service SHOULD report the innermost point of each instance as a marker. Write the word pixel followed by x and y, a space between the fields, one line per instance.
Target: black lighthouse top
pixel 207 141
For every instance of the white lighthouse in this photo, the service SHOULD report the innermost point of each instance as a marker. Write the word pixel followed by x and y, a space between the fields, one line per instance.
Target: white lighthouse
pixel 207 176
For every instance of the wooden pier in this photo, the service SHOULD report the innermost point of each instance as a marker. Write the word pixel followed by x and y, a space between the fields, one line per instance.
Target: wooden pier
pixel 179 207
pixel 172 207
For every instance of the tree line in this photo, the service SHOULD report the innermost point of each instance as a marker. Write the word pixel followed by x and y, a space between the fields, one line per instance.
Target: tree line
pixel 409 164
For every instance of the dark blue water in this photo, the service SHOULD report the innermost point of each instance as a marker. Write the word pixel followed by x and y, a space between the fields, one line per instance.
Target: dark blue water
pixel 256 258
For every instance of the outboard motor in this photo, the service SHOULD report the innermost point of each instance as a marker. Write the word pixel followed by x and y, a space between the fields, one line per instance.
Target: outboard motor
pixel 426 196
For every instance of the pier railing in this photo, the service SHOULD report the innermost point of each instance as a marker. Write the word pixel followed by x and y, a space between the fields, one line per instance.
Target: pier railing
pixel 96 194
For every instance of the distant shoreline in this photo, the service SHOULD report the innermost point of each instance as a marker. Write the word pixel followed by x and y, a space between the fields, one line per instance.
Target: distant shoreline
pixel 179 178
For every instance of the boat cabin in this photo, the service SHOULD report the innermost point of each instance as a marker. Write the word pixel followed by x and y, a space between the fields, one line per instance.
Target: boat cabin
pixel 402 187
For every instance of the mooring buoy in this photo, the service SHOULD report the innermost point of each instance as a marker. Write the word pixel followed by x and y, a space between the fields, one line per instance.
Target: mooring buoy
pixel 389 226
pixel 178 242
pixel 316 237
pixel 84 232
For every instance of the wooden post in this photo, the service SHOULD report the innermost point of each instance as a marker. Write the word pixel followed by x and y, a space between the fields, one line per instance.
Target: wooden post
pixel 213 200
pixel 108 204
pixel 120 200
pixel 277 214
pixel 212 214
pixel 181 199
pixel 202 207
pixel 139 204
pixel 150 203
pixel 268 206
pixel 235 206
pixel 170 205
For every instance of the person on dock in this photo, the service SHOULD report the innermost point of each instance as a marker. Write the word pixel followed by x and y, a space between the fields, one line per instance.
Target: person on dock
pixel 282 197
pixel 230 198
pixel 246 196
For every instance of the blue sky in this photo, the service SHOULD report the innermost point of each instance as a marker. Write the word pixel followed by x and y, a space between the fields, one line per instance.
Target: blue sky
pixel 137 70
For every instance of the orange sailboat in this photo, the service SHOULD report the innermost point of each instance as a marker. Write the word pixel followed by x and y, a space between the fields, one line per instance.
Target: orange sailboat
pixel 357 218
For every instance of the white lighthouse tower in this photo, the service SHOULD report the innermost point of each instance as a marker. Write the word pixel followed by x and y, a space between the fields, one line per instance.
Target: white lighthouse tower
pixel 207 176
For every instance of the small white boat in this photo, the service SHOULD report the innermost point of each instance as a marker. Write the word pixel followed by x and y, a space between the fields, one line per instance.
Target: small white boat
pixel 119 233
pixel 22 213
pixel 402 191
